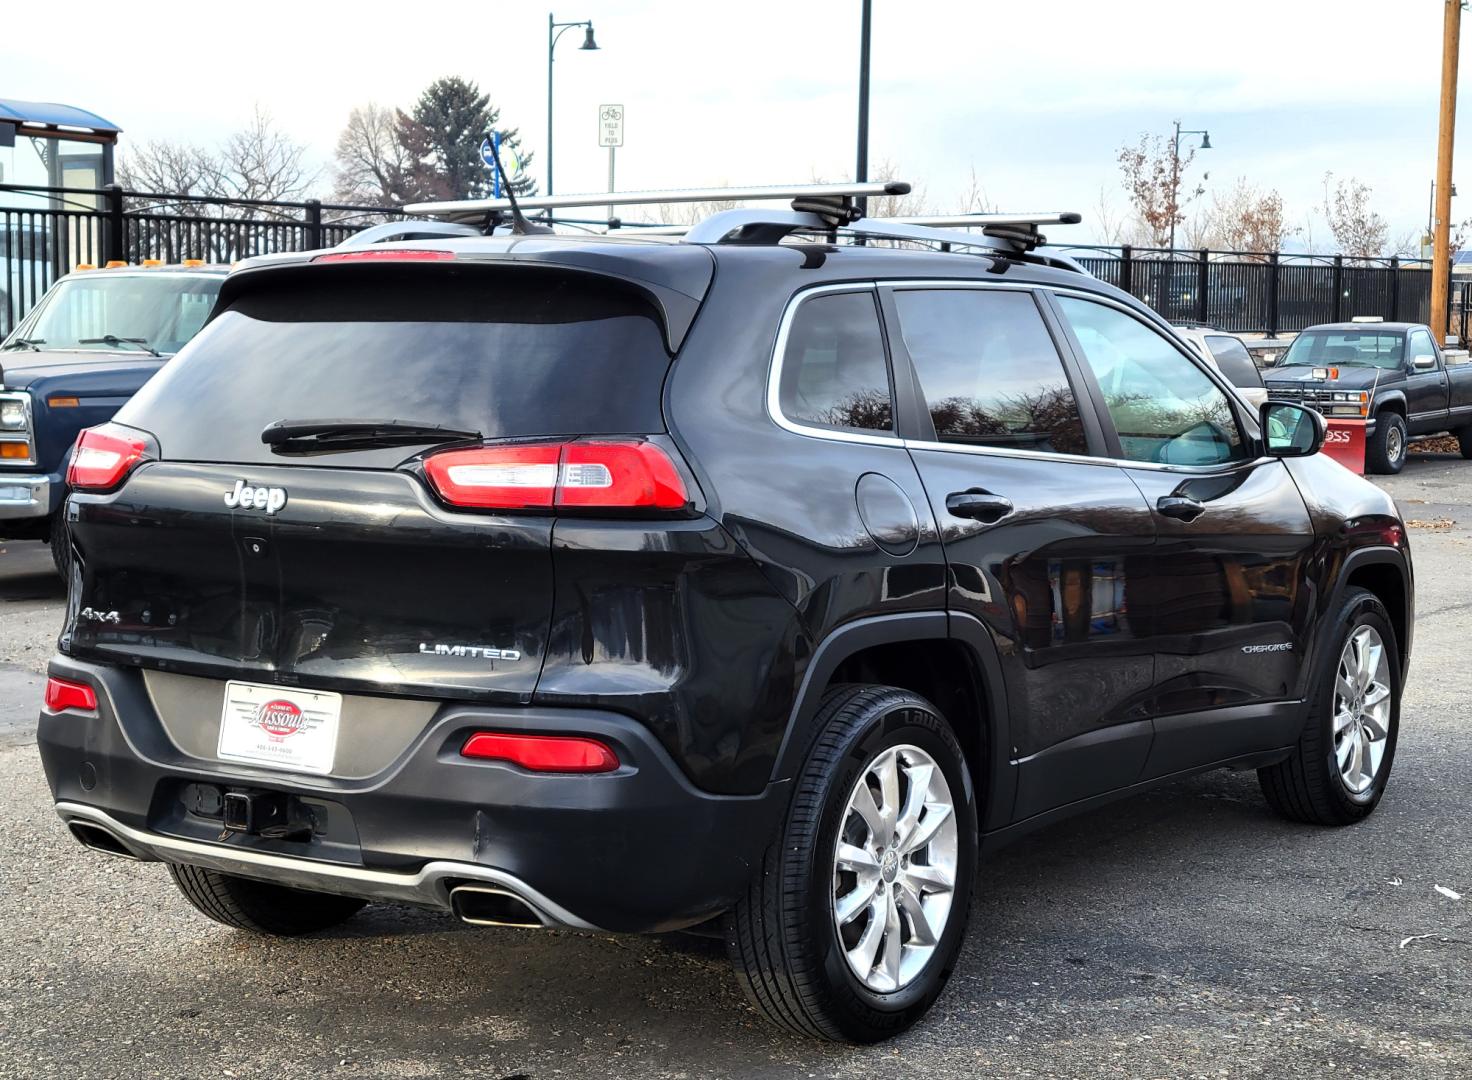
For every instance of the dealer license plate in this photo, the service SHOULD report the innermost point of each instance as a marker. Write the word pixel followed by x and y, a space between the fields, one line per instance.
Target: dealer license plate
pixel 279 728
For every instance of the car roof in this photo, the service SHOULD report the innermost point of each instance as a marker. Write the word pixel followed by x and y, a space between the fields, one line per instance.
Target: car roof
pixel 1367 327
pixel 209 269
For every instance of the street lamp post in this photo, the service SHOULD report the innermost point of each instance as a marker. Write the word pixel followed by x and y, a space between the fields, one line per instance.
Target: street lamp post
pixel 1175 177
pixel 555 30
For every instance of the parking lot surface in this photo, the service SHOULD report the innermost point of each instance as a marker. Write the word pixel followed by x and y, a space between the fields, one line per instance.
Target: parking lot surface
pixel 1184 933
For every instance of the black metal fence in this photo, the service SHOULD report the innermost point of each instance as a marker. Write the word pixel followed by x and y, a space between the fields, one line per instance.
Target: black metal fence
pixel 1233 290
pixel 68 227
pixel 1273 293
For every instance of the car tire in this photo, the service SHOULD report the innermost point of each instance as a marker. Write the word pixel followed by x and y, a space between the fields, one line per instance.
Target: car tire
pixel 796 950
pixel 1312 785
pixel 1464 442
pixel 1385 451
pixel 61 545
pixel 259 906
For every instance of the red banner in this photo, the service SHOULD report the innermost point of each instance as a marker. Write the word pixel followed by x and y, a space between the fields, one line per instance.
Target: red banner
pixel 1345 443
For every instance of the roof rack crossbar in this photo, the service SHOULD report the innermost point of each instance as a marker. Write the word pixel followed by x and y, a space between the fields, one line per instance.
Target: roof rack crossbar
pixel 477 209
pixel 1008 233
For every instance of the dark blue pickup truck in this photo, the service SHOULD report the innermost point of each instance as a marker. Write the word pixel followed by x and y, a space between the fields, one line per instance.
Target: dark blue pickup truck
pixel 92 341
pixel 1394 376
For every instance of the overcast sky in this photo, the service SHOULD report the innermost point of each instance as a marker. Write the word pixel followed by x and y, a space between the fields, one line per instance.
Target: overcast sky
pixel 1036 97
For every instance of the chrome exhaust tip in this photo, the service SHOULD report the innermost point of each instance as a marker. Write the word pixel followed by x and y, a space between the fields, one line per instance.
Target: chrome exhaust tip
pixel 486 905
pixel 99 839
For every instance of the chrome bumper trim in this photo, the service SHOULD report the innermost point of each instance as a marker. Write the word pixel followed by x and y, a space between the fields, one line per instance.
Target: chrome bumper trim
pixel 34 501
pixel 427 887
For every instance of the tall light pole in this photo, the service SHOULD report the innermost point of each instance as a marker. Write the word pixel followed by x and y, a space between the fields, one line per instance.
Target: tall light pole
pixel 1451 32
pixel 555 30
pixel 1175 178
pixel 861 168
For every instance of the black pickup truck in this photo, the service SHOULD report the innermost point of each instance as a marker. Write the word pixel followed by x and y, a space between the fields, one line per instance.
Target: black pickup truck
pixel 1393 375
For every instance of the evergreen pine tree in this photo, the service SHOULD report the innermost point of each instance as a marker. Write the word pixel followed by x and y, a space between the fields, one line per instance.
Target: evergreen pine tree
pixel 443 135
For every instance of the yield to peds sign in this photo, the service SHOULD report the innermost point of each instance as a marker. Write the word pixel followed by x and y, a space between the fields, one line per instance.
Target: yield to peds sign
pixel 610 125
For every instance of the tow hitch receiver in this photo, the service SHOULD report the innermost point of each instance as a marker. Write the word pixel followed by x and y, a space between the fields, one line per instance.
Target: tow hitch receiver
pixel 253 812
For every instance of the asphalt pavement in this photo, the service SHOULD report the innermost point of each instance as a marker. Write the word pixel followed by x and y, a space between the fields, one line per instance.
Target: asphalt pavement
pixel 1184 933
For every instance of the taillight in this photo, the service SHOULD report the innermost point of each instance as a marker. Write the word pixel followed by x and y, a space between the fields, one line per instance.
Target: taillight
pixel 542 753
pixel 64 694
pixel 104 456
pixel 592 474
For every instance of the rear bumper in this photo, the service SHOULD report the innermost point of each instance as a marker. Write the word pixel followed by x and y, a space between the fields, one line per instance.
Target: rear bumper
pixel 638 849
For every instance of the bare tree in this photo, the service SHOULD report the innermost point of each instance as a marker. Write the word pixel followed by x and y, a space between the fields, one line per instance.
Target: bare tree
pixel 1153 180
pixel 1110 226
pixel 1247 219
pixel 257 162
pixel 1358 230
pixel 974 199
pixel 371 164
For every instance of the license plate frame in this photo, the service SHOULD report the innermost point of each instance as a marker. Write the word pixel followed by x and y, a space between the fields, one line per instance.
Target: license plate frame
pixel 280 727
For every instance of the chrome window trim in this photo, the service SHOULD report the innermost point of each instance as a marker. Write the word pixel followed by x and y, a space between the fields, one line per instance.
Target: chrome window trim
pixel 26 434
pixel 774 378
pixel 779 353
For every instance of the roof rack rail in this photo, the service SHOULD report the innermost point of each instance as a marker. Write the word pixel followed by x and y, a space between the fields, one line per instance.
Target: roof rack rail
pixel 473 210
pixel 407 230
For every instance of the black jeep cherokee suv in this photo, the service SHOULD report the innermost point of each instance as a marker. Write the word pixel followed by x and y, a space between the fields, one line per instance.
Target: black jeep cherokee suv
pixel 633 584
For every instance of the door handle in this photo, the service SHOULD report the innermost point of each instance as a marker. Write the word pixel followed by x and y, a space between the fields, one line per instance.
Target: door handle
pixel 1180 507
pixel 980 505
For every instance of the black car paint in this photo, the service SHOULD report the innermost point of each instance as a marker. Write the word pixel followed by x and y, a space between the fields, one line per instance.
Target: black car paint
pixel 709 639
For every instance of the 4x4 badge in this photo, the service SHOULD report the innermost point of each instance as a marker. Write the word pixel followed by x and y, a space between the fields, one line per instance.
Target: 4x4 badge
pixel 269 499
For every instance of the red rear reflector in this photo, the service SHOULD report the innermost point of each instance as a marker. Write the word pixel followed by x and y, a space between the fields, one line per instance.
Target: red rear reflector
pixel 386 255
pixel 104 456
pixel 542 753
pixel 601 475
pixel 63 694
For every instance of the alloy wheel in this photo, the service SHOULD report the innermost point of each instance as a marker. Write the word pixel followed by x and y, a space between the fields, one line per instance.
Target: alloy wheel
pixel 1362 701
pixel 894 868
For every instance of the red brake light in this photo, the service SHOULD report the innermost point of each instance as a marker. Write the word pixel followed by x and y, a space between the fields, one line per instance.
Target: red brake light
pixel 104 456
pixel 386 255
pixel 64 694
pixel 600 475
pixel 542 753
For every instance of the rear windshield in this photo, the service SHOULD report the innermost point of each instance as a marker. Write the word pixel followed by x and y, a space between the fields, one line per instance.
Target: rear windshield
pixel 507 353
pixel 1234 360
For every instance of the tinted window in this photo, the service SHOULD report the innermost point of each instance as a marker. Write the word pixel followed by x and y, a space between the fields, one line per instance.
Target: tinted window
pixel 1164 408
pixel 507 354
pixel 1234 360
pixel 989 371
pixel 834 373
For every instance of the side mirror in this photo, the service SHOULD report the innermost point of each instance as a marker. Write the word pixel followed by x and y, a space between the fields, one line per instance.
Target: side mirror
pixel 1424 362
pixel 1290 430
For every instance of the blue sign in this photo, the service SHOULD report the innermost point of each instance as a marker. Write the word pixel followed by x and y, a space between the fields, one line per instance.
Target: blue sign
pixel 490 160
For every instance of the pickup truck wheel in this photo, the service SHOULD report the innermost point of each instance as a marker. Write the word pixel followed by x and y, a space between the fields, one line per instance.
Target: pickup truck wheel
pixel 1464 442
pixel 853 918
pixel 259 906
pixel 61 545
pixel 1385 452
pixel 1341 764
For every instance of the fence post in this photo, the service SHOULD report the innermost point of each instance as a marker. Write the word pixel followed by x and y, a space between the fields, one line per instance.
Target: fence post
pixel 1394 288
pixel 1338 289
pixel 314 224
pixel 1273 295
pixel 1201 285
pixel 1126 267
pixel 112 235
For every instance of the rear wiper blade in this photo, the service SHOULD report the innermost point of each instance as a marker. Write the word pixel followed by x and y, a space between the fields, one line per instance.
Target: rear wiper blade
pixel 113 339
pixel 286 435
pixel 26 343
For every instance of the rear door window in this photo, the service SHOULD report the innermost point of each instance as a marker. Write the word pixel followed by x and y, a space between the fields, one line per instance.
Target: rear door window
pixel 989 370
pixel 507 353
pixel 834 370
pixel 1233 360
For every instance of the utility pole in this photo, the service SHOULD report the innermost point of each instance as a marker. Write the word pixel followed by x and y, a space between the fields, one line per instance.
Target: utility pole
pixel 1441 257
pixel 861 167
